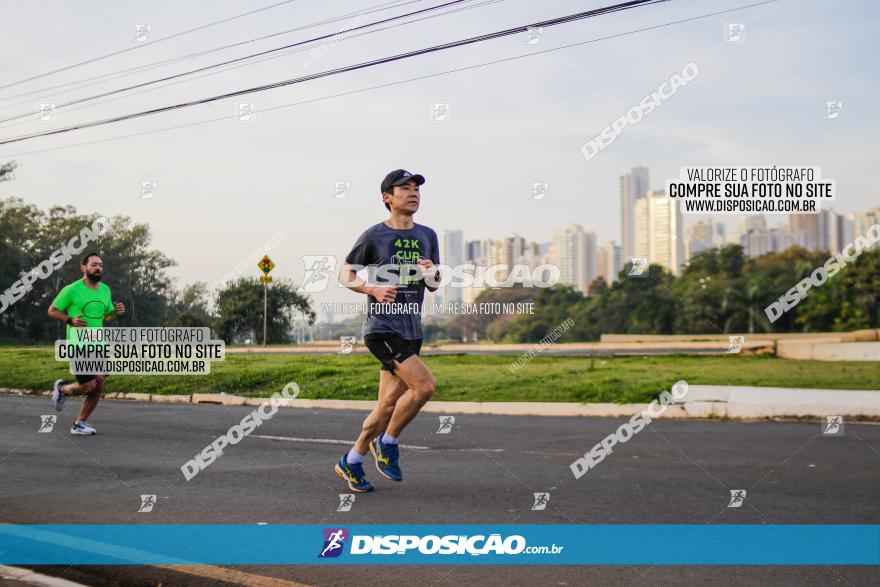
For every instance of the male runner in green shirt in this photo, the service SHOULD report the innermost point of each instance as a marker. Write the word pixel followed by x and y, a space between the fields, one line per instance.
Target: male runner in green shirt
pixel 85 303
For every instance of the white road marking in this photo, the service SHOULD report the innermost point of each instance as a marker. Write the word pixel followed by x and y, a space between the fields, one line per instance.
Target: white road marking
pixel 327 441
pixel 349 442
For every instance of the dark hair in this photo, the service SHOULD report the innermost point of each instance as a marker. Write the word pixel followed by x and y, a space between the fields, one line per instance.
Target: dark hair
pixel 85 259
pixel 387 205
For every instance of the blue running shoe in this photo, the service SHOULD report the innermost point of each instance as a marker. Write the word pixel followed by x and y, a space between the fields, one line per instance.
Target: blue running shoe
pixel 386 456
pixel 353 475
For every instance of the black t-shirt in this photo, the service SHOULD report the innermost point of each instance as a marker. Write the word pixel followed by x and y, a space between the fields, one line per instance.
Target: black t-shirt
pixel 380 246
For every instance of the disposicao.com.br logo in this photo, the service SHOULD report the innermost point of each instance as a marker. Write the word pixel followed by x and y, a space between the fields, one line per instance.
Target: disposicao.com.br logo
pixel 431 544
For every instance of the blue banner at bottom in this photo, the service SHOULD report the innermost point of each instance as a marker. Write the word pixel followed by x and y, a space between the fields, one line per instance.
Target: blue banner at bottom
pixel 288 544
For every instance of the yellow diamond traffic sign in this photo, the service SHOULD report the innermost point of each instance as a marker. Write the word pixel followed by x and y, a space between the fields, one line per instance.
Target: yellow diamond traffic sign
pixel 266 265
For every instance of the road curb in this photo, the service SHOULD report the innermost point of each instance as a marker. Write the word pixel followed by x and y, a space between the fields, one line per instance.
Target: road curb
pixel 29 577
pixel 702 401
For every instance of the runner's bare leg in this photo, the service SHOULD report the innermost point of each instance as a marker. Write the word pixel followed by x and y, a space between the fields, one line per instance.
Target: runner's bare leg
pixel 421 386
pixel 391 388
pixel 91 399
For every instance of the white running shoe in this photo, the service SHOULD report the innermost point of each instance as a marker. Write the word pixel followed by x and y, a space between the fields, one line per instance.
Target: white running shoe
pixel 57 396
pixel 82 429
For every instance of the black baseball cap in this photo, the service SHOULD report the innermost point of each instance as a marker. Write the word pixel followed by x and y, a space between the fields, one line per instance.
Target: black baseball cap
pixel 400 177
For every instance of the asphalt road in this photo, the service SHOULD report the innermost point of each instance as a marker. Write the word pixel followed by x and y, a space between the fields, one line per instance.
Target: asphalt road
pixel 484 471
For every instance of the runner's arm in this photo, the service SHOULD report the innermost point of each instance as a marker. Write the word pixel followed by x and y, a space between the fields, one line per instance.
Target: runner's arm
pixel 384 293
pixel 60 316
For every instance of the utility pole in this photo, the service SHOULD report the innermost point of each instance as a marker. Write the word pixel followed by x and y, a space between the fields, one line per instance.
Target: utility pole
pixel 266 266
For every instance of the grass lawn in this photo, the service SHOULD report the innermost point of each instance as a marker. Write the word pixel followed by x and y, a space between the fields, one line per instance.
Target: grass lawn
pixel 464 377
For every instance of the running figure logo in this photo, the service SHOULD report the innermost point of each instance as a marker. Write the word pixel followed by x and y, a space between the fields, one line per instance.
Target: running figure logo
pixel 534 33
pixel 147 503
pixel 446 423
pixel 47 423
pixel 318 271
pixel 539 189
pixel 141 32
pixel 832 109
pixel 346 344
pixel 639 266
pixel 734 32
pixel 737 497
pixel 340 189
pixel 831 426
pixel 247 112
pixel 148 189
pixel 346 500
pixel 736 343
pixel 334 541
pixel 541 500
pixel 439 112
pixel 47 112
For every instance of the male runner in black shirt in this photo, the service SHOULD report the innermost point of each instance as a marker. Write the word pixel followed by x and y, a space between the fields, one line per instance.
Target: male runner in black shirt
pixel 393 325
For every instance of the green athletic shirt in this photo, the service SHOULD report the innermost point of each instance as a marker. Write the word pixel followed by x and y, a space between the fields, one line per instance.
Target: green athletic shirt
pixel 78 299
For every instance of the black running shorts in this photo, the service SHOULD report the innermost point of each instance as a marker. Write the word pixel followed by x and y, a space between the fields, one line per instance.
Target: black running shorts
pixel 86 378
pixel 389 347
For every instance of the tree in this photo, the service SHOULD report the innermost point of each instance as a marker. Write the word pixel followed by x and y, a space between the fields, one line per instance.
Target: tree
pixel 239 310
pixel 641 304
pixel 135 273
pixel 598 286
pixel 6 170
pixel 189 306
pixel 710 292
pixel 848 301
pixel 553 306
pixel 773 274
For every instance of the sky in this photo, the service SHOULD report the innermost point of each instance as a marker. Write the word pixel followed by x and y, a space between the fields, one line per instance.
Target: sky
pixel 226 187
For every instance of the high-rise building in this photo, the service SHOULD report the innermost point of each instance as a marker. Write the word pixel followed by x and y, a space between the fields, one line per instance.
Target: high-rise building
pixel 574 252
pixel 753 222
pixel 511 252
pixel 633 186
pixel 452 253
pixel 699 238
pixel 862 221
pixel 755 242
pixel 753 235
pixel 720 234
pixel 609 262
pixel 473 250
pixel 834 225
pixel 848 229
pixel 808 230
pixel 659 234
pixel 780 239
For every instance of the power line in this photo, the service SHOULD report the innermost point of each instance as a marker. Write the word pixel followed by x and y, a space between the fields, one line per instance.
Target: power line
pixel 267 58
pixel 399 82
pixel 362 65
pixel 82 83
pixel 238 59
pixel 141 45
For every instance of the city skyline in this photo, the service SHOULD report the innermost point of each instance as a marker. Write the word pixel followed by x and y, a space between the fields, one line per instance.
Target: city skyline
pixel 662 236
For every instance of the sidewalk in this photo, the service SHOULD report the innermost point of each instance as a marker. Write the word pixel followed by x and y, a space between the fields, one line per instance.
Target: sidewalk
pixel 702 401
